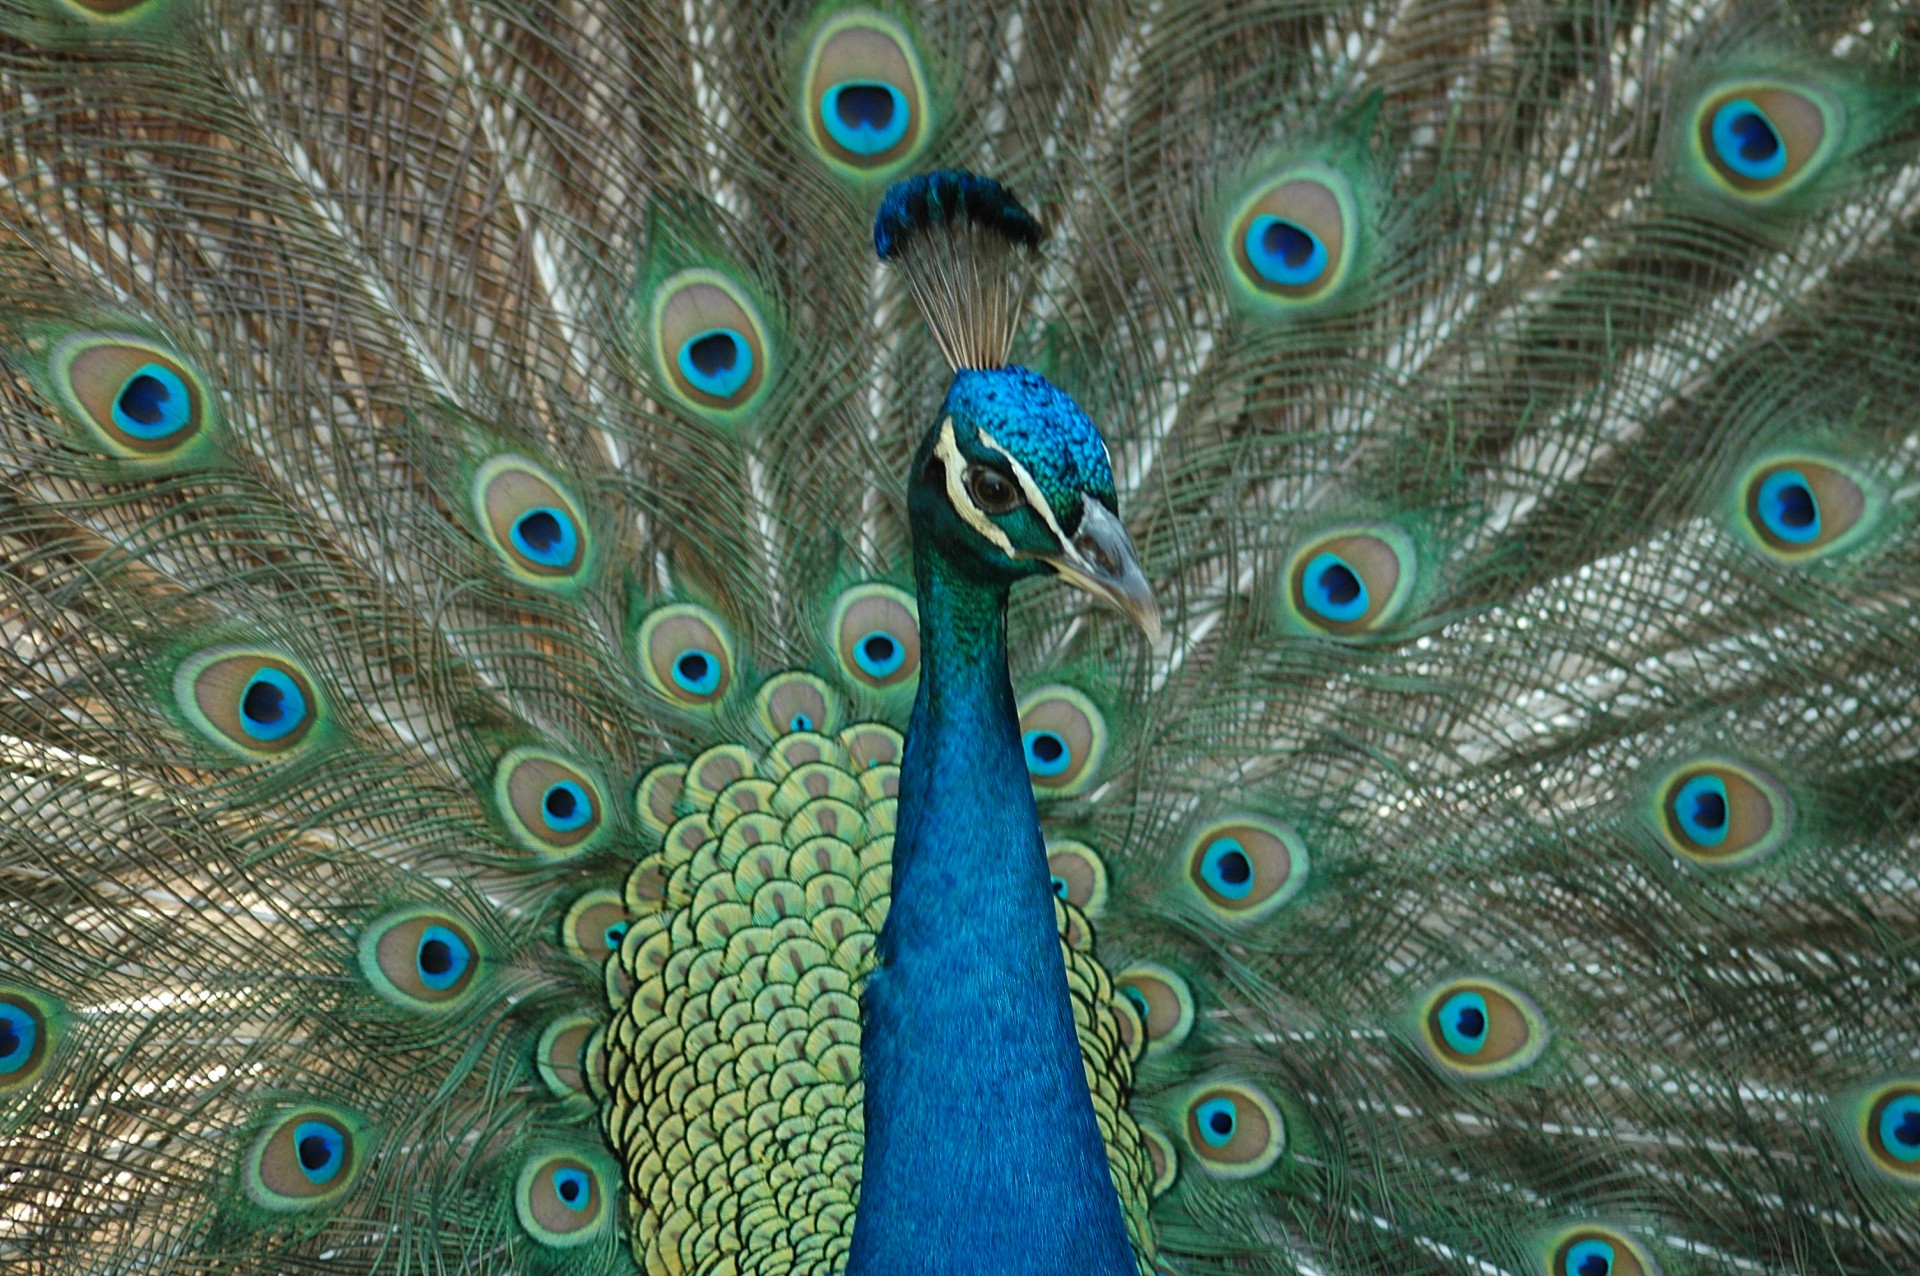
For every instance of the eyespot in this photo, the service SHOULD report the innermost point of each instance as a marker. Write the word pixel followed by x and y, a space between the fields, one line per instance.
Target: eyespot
pixel 1760 139
pixel 1593 1250
pixel 1797 508
pixel 1885 1126
pixel 865 103
pixel 1079 876
pixel 1720 813
pixel 1234 1130
pixel 562 1199
pixel 1350 581
pixel 552 806
pixel 255 703
pixel 137 398
pixel 1478 1028
pixel 420 959
pixel 876 636
pixel 1246 868
pixel 1164 1003
pixel 304 1160
pixel 684 655
pixel 1292 243
pixel 797 702
pixel 28 1025
pixel 595 925
pixel 561 1055
pixel 710 342
pixel 532 524
pixel 992 491
pixel 1064 737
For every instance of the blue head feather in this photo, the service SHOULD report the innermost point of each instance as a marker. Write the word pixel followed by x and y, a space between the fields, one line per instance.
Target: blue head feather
pixel 1041 428
pixel 932 202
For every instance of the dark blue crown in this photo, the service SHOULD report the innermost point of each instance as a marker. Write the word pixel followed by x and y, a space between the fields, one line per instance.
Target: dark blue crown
pixel 934 201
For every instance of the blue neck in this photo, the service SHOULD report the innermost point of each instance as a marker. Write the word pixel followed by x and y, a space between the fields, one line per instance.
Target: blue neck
pixel 982 1154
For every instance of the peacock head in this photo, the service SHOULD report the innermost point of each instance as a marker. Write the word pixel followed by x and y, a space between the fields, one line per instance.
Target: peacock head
pixel 1014 480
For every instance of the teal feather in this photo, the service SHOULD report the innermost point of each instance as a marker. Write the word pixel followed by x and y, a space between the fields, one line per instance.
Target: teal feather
pixel 1511 842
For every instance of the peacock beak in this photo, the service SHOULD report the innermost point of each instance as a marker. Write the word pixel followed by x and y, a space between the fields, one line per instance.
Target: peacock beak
pixel 1100 560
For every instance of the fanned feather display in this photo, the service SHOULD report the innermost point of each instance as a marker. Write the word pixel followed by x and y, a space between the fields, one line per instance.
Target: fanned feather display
pixel 457 579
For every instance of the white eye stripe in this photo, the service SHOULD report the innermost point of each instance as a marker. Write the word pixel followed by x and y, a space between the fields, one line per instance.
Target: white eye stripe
pixel 955 465
pixel 1036 500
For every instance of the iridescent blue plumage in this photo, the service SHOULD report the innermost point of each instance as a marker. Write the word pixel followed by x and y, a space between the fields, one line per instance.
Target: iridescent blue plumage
pixel 981 1139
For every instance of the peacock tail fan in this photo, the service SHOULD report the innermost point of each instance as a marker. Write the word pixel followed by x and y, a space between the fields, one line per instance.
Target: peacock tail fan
pixel 455 572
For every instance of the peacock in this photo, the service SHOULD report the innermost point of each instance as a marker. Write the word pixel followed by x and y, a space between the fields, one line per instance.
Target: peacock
pixel 1131 637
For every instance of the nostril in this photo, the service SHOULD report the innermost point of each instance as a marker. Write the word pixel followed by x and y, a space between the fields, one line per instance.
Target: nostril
pixel 1096 553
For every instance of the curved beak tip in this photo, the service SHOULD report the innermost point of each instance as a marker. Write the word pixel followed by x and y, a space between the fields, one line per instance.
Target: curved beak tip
pixel 1102 562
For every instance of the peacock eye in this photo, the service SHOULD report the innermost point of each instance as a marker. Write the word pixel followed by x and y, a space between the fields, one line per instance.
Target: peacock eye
pixel 532 525
pixel 1885 1128
pixel 1350 581
pixel 1593 1250
pixel 1292 243
pixel 1164 1002
pixel 255 703
pixel 1234 1130
pixel 136 397
pixel 309 1159
pixel 25 1032
pixel 1761 139
pixel 1243 869
pixel 1479 1028
pixel 865 98
pixel 552 807
pixel 1721 814
pixel 419 959
pixel 562 1199
pixel 991 490
pixel 713 347
pixel 595 926
pixel 1798 508
pixel 684 655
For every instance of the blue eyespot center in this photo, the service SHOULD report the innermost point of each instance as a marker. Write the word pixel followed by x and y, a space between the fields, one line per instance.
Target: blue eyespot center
pixel 1138 1000
pixel 865 117
pixel 441 958
pixel 1334 590
pixel 320 1149
pixel 1284 252
pixel 1747 142
pixel 546 536
pixel 1463 1022
pixel 566 806
pixel 152 404
pixel 1788 507
pixel 1060 886
pixel 1216 1120
pixel 697 672
pixel 1047 753
pixel 1900 1128
pixel 879 654
pixel 1590 1258
pixel 1701 806
pixel 271 705
pixel 573 1188
pixel 613 935
pixel 1226 869
pixel 716 362
pixel 800 722
pixel 18 1033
